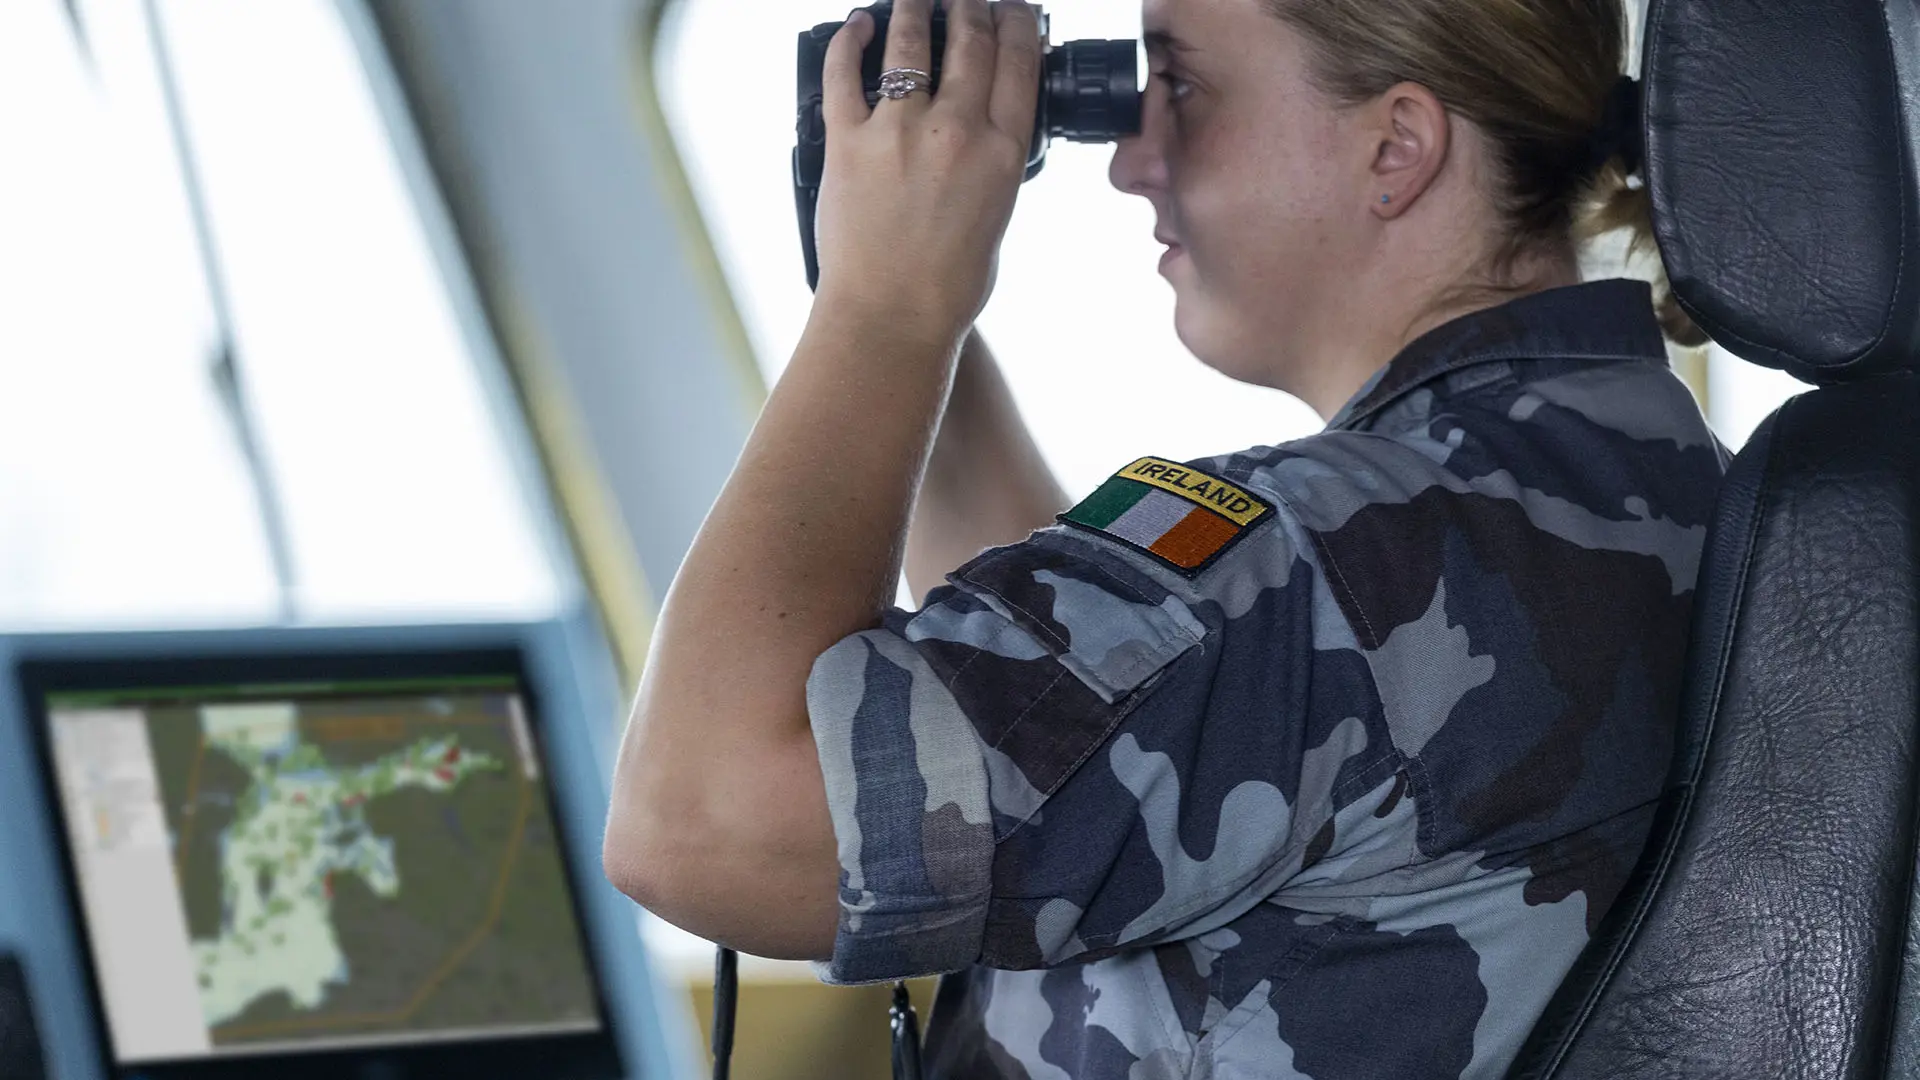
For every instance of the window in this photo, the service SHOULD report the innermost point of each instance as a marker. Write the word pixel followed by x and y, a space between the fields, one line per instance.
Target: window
pixel 125 494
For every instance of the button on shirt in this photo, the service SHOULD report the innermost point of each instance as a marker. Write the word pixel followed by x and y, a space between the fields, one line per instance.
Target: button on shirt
pixel 1343 802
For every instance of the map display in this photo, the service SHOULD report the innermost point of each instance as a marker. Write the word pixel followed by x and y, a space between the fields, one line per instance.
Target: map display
pixel 372 864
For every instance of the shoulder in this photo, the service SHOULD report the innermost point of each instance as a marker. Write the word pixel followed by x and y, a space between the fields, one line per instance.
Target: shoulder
pixel 1211 531
pixel 1200 531
pixel 1605 470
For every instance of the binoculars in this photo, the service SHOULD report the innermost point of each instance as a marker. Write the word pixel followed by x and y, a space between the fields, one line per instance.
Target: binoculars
pixel 1089 93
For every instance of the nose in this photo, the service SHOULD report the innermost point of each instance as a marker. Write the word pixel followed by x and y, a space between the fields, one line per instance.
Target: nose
pixel 1139 162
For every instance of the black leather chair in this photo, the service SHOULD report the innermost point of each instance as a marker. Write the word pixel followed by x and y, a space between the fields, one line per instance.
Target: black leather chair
pixel 1771 929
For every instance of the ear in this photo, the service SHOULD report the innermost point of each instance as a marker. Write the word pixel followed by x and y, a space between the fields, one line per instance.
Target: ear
pixel 1413 133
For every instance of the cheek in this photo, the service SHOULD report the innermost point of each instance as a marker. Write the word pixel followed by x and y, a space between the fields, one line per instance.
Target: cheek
pixel 1257 235
pixel 1263 248
pixel 1251 201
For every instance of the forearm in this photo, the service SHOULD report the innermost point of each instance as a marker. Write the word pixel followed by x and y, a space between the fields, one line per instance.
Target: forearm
pixel 719 799
pixel 986 483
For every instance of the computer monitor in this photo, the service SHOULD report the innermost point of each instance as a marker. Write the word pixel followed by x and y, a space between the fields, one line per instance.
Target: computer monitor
pixel 285 862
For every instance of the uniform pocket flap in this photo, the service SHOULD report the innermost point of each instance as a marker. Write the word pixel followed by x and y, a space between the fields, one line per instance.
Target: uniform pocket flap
pixel 1112 627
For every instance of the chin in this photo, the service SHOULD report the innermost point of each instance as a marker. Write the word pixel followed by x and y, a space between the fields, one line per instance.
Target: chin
pixel 1200 329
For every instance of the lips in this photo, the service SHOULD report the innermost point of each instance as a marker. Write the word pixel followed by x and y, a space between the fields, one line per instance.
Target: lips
pixel 1174 247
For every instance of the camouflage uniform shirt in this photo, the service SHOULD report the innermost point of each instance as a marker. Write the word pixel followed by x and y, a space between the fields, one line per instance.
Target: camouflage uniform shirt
pixel 1344 802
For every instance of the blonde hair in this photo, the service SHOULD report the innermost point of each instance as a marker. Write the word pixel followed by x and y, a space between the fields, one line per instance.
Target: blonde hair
pixel 1534 76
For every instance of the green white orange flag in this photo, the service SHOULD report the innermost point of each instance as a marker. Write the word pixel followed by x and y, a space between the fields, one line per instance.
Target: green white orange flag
pixel 1180 515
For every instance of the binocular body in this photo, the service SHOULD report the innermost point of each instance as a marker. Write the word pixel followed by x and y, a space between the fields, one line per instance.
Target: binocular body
pixel 1089 93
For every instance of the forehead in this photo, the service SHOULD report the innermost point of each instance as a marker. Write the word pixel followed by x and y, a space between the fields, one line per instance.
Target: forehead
pixel 1195 22
pixel 1159 15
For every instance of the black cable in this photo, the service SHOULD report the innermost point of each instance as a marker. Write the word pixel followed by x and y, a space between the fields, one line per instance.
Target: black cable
pixel 726 995
pixel 906 1035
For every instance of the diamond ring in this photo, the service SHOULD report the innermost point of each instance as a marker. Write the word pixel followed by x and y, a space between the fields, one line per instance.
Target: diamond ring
pixel 896 83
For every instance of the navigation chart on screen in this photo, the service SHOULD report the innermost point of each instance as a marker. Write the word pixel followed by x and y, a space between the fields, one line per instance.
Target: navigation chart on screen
pixel 370 864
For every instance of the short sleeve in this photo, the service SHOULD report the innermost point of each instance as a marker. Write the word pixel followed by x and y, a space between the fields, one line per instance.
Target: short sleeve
pixel 1065 751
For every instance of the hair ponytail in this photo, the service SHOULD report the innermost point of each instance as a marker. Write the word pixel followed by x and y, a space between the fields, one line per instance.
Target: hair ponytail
pixel 1538 78
pixel 1613 203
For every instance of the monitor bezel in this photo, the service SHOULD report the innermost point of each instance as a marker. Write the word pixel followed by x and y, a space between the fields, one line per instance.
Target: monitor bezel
pixel 587 1055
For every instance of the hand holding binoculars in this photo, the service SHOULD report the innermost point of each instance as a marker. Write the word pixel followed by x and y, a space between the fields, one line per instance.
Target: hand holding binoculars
pixel 1089 93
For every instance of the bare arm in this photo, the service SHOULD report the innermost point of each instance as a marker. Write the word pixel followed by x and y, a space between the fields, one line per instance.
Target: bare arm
pixel 719 817
pixel 986 484
pixel 719 803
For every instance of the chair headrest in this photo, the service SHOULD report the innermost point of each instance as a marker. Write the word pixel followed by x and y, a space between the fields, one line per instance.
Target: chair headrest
pixel 1781 141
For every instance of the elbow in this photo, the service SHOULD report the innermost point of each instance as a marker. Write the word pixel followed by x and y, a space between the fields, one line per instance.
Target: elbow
pixel 673 882
pixel 727 855
pixel 623 867
pixel 660 860
pixel 648 822
pixel 744 896
pixel 637 861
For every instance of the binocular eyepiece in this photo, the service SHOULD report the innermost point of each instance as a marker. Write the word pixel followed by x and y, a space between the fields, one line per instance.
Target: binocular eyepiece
pixel 1089 93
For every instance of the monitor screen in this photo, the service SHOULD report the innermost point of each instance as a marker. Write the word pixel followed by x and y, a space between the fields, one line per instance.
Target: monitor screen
pixel 282 866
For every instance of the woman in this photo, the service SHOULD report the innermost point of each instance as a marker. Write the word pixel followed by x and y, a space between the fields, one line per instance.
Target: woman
pixel 1314 760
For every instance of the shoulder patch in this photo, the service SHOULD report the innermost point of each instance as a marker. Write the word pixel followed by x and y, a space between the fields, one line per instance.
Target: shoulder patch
pixel 1176 513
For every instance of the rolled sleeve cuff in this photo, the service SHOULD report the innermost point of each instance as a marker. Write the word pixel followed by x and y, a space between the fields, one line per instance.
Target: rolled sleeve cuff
pixel 907 789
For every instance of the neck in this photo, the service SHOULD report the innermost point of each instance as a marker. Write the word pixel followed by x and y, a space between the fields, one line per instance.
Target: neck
pixel 1371 335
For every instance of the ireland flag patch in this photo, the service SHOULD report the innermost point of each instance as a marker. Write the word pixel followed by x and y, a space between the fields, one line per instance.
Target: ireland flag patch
pixel 1174 512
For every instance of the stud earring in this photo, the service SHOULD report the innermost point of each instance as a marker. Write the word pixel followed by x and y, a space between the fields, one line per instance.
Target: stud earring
pixel 1384 199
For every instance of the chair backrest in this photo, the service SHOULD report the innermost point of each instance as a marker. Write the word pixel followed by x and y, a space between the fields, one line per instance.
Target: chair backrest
pixel 1771 928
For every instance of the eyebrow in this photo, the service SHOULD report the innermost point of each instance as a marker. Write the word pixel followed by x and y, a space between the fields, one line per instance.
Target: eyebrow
pixel 1165 41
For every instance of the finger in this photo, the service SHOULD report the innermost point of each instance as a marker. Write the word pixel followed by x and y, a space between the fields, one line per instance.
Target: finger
pixel 844 100
pixel 910 38
pixel 1016 77
pixel 966 73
